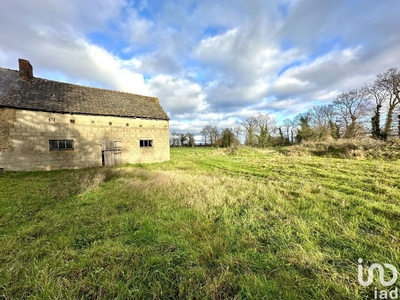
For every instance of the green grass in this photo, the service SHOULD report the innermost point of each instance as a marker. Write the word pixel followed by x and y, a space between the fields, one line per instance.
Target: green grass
pixel 209 224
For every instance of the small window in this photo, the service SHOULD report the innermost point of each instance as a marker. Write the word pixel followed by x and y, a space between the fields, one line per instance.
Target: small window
pixel 72 121
pixel 109 123
pixel 146 143
pixel 69 144
pixel 127 124
pixel 61 145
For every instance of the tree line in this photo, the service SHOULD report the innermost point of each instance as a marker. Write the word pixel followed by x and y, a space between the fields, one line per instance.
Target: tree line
pixel 366 111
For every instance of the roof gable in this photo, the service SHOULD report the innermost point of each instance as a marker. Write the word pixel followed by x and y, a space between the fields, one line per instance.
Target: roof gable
pixel 53 96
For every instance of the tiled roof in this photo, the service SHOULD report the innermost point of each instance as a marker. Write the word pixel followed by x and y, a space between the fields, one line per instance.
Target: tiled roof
pixel 53 96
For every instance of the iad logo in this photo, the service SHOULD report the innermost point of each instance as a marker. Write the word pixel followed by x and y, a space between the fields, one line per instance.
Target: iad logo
pixel 382 294
pixel 371 274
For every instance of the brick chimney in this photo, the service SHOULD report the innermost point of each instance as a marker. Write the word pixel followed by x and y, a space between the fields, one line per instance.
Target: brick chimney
pixel 25 69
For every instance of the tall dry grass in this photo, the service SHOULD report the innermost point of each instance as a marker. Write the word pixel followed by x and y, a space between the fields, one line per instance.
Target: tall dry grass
pixel 197 191
pixel 79 182
pixel 348 148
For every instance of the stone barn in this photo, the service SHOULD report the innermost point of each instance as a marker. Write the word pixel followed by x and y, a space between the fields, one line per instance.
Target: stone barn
pixel 48 125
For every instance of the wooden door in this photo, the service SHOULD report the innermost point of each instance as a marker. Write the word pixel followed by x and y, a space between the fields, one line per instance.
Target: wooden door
pixel 117 152
pixel 110 152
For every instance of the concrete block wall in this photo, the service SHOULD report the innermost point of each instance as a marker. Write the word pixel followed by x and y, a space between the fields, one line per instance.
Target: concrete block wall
pixel 29 135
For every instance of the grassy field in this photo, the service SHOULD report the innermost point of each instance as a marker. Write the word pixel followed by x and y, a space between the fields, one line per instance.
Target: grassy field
pixel 209 224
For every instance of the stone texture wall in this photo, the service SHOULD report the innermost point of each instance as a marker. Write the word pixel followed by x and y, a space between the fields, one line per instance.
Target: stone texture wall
pixel 28 134
pixel 7 119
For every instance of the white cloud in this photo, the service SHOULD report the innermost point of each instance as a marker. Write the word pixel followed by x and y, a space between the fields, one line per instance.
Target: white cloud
pixel 179 96
pixel 219 48
pixel 208 62
pixel 312 77
pixel 92 64
pixel 287 84
pixel 138 30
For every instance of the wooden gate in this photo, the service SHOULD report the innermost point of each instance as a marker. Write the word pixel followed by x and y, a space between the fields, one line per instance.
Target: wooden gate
pixel 110 153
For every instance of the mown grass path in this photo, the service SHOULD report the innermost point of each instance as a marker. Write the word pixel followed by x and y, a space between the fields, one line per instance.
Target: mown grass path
pixel 206 225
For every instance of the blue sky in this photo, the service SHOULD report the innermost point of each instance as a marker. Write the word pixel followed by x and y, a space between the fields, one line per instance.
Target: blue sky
pixel 209 62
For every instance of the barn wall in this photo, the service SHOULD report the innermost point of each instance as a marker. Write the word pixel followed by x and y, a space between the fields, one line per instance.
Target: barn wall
pixel 30 132
pixel 7 119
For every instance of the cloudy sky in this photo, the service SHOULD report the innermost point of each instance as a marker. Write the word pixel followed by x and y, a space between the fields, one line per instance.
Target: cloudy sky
pixel 209 62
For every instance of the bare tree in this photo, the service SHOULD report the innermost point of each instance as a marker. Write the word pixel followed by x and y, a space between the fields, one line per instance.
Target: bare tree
pixel 210 132
pixel 287 125
pixel 390 82
pixel 250 128
pixel 322 120
pixel 182 138
pixel 214 134
pixel 352 106
pixel 265 125
pixel 190 138
pixel 237 131
pixel 204 133
pixel 379 95
pixel 174 139
pixel 293 130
